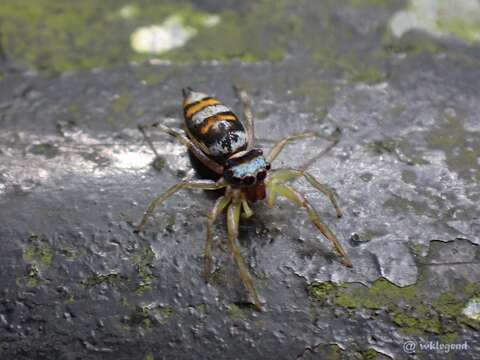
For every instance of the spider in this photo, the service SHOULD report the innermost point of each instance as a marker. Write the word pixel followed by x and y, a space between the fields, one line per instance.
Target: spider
pixel 221 149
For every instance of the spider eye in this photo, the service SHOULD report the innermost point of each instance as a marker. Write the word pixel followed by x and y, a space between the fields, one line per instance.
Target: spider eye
pixel 261 175
pixel 249 180
pixel 268 166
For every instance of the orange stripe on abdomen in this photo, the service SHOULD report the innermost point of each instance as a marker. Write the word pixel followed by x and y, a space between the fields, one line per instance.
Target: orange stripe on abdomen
pixel 194 108
pixel 208 123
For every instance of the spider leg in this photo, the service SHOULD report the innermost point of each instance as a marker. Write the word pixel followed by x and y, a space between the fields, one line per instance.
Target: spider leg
pixel 278 147
pixel 195 184
pixel 289 193
pixel 220 205
pixel 197 151
pixel 233 220
pixel 247 114
pixel 284 175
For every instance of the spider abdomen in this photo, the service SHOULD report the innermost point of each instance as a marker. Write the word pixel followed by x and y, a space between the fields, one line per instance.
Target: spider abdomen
pixel 213 126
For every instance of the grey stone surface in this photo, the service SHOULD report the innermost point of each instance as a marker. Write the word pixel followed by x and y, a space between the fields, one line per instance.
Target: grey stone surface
pixel 76 282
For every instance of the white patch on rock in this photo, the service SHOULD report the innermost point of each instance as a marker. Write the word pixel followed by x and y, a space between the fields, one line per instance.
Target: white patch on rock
pixel 158 39
pixel 171 34
pixel 458 18
pixel 128 12
pixel 211 20
pixel 472 310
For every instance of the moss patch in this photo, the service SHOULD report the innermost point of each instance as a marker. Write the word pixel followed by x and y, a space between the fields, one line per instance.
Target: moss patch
pixel 56 36
pixel 406 307
pixel 238 311
pixel 38 250
pixel 320 291
pixel 46 149
pixel 70 35
pixel 164 313
pixel 461 148
pixel 121 103
pixel 370 354
pixel 411 43
pixel 32 276
pixel 98 279
pixel 146 317
pixel 143 260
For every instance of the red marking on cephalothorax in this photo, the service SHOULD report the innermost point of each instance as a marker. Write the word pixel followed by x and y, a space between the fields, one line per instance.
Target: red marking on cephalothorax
pixel 255 193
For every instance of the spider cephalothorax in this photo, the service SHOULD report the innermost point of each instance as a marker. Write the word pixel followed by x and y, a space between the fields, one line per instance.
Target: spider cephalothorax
pixel 247 169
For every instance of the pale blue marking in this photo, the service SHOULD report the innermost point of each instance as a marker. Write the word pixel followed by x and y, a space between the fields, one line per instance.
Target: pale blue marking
pixel 250 167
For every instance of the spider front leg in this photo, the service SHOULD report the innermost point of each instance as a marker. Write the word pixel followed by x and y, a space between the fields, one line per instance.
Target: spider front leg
pixel 247 114
pixel 284 175
pixel 196 184
pixel 220 205
pixel 233 220
pixel 286 191
pixel 278 147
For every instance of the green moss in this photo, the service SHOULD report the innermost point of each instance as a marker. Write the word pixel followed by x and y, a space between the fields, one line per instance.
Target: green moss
pixel 368 75
pixel 370 3
pixel 97 279
pixel 411 43
pixel 472 289
pixel 402 205
pixel 57 36
pixel 334 352
pixel 449 338
pixel 460 27
pixel 39 250
pixel 32 276
pixel 149 356
pixel 218 277
pixel 419 249
pixel 259 32
pixel 345 300
pixel 46 149
pixel 142 288
pixel 449 304
pixel 140 317
pixel 121 103
pixel 366 176
pixel 143 260
pixel 239 311
pixel 370 354
pixel 416 323
pixel 462 148
pixel 124 302
pixel 201 309
pixel 318 94
pixel 158 164
pixel 379 147
pixel 164 313
pixel 69 35
pixel 406 307
pixel 320 291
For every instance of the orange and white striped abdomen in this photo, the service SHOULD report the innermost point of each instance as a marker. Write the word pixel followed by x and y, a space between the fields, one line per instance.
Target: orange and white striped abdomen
pixel 213 125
